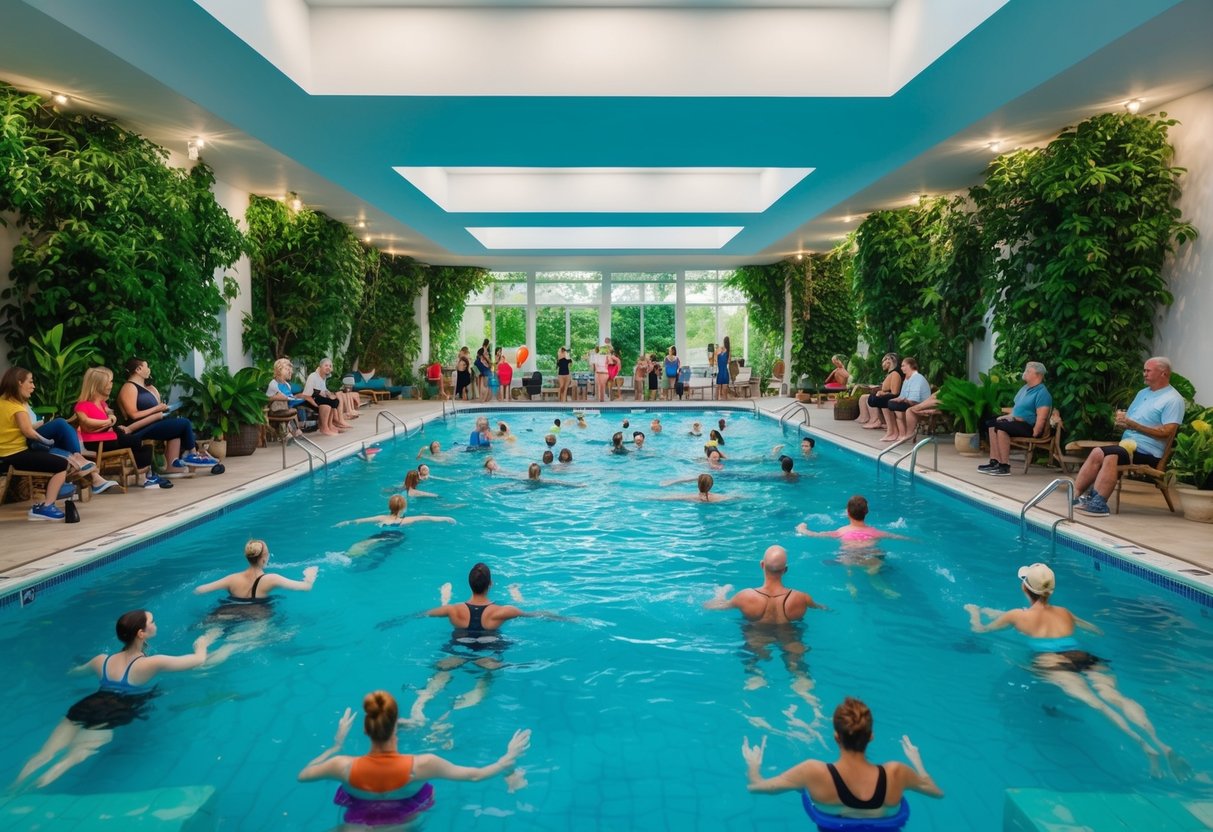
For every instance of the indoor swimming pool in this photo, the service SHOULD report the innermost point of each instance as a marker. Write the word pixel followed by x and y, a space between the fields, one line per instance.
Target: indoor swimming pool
pixel 639 701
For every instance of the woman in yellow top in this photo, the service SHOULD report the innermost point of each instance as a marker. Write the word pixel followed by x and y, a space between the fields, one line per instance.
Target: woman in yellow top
pixel 16 436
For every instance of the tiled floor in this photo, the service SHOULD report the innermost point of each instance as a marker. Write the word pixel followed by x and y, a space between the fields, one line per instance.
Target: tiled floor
pixel 1144 520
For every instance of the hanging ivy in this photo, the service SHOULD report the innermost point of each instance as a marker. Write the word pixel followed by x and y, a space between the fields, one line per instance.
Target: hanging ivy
pixel 385 336
pixel 450 287
pixel 823 306
pixel 115 245
pixel 309 275
pixel 1081 229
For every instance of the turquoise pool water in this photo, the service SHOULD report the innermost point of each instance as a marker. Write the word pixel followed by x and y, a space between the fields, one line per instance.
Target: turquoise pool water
pixel 639 706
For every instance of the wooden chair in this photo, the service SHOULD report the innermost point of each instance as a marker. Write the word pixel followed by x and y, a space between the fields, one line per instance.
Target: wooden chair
pixel 121 460
pixel 776 381
pixel 37 480
pixel 1030 444
pixel 1057 451
pixel 1148 473
pixel 740 386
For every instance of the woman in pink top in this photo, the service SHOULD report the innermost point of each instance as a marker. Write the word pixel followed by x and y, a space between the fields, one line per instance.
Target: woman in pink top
pixel 96 421
pixel 505 375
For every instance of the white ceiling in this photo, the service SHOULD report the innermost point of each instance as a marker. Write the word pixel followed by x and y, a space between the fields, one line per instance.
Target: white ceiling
pixel 969 72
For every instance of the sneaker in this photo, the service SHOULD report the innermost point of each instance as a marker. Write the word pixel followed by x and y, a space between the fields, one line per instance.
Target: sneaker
pixel 104 486
pixel 1095 506
pixel 86 467
pixel 1080 500
pixel 46 511
pixel 1000 471
pixel 989 466
pixel 66 492
pixel 156 481
pixel 194 460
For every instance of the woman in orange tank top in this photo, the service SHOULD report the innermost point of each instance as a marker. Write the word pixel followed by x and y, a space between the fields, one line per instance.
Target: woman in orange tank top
pixel 385 787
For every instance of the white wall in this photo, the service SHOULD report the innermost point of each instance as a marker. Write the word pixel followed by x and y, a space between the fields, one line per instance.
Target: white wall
pixel 235 201
pixel 1184 331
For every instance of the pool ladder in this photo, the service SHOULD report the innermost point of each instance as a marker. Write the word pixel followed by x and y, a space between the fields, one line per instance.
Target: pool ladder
pixel 913 452
pixel 789 410
pixel 309 447
pixel 395 421
pixel 1040 495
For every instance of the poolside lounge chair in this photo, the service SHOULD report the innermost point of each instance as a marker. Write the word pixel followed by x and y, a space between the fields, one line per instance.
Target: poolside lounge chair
pixel 533 385
pixel 1148 473
pixel 776 382
pixel 37 480
pixel 1030 444
pixel 740 386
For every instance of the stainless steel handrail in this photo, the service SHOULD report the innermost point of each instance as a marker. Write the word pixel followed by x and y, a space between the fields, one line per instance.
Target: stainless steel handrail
pixel 804 411
pixel 913 456
pixel 1040 495
pixel 889 450
pixel 311 449
pixel 393 420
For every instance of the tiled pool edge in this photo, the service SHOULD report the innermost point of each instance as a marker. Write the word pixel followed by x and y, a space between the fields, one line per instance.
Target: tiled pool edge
pixel 65 565
pixel 1154 567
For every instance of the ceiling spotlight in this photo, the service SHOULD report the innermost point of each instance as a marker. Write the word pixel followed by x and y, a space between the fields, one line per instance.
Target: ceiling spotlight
pixel 194 147
pixel 847 218
pixel 800 255
pixel 366 238
pixel 1133 105
pixel 59 98
pixel 360 224
pixel 294 201
pixel 994 145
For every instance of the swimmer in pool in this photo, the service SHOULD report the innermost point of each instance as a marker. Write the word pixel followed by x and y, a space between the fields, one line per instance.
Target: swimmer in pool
pixel 126 688
pixel 491 467
pixel 696 429
pixel 771 612
pixel 397 505
pixel 385 787
pixel 655 426
pixel 638 439
pixel 834 787
pixel 434 449
pixel 411 480
pixel 856 534
pixel 550 440
pixel 617 443
pixel 503 432
pixel 704 493
pixel 477 623
pixel 547 458
pixel 1059 659
pixel 807 444
pixel 533 479
pixel 254 583
pixel 565 456
pixel 581 421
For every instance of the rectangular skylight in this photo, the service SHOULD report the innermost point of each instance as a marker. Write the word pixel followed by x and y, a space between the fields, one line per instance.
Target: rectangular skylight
pixel 605 237
pixel 502 190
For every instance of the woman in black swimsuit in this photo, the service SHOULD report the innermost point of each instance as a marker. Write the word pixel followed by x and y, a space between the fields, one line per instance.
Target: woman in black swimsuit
pixel 833 786
pixel 254 583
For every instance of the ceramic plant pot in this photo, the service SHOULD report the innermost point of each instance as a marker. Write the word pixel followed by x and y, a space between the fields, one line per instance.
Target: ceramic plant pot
pixel 1197 503
pixel 968 444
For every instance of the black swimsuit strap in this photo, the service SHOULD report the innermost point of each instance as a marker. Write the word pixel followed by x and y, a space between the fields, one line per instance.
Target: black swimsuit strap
pixel 252 593
pixel 847 798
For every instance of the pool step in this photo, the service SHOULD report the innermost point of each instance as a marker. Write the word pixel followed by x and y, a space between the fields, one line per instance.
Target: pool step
pixel 176 809
pixel 1040 810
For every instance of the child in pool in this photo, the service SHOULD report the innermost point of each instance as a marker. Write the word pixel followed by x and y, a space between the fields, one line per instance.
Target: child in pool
pixel 856 533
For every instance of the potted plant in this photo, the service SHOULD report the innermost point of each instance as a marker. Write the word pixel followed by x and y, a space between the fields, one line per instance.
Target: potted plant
pixel 230 406
pixel 969 404
pixel 846 405
pixel 1192 465
pixel 58 368
pixel 804 389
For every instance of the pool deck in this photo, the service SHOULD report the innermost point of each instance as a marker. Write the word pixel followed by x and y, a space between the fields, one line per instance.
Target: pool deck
pixel 1144 528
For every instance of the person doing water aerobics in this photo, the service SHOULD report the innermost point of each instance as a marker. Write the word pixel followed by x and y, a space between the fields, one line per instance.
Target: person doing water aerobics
pixel 856 533
pixel 248 598
pixel 477 622
pixel 1060 660
pixel 385 787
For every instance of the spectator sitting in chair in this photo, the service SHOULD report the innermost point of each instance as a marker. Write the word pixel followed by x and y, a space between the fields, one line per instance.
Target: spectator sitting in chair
pixel 871 405
pixel 97 426
pixel 149 418
pixel 1029 416
pixel 914 390
pixel 1149 423
pixel 16 450
pixel 327 404
pixel 279 392
pixel 433 375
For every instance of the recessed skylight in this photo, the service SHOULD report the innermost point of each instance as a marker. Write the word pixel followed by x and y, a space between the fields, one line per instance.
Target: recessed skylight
pixel 603 190
pixel 606 237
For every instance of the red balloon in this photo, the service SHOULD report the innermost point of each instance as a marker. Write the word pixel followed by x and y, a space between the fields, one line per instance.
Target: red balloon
pixel 523 352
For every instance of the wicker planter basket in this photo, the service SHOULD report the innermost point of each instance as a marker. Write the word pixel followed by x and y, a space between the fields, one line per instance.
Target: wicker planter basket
pixel 846 410
pixel 243 442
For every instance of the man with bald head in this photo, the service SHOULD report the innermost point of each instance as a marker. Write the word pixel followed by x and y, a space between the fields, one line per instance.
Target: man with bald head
pixel 771 603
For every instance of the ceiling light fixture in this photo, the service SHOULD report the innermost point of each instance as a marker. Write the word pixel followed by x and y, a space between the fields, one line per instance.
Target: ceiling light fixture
pixel 994 145
pixel 59 98
pixel 295 202
pixel 848 218
pixel 360 224
pixel 1133 105
pixel 366 238
pixel 194 147
pixel 800 255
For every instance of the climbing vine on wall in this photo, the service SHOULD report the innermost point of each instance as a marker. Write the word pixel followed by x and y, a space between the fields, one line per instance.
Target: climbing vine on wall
pixel 115 244
pixel 385 336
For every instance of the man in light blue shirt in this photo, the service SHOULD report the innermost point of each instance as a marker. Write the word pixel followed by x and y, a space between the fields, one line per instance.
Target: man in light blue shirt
pixel 1150 422
pixel 914 390
pixel 1028 417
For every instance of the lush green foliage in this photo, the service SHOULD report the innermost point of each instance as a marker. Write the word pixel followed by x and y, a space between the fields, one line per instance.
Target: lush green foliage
pixel 220 401
pixel 450 287
pixel 1082 228
pixel 58 369
pixel 917 278
pixel 385 336
pixel 308 279
pixel 823 307
pixel 1192 458
pixel 115 244
pixel 971 403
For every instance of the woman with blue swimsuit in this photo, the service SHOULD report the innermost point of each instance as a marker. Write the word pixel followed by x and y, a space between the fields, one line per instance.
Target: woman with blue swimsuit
pixel 125 689
pixel 722 369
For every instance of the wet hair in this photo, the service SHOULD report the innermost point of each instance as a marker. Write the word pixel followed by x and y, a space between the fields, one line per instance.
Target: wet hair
pixel 857 507
pixel 717 435
pixel 129 624
pixel 550 439
pixel 853 724
pixel 912 363
pixel 396 504
pixel 132 364
pixel 532 470
pixel 565 455
pixel 503 427
pixel 547 457
pixel 10 384
pixel 810 440
pixel 617 439
pixel 556 423
pixel 95 380
pixel 434 450
pixel 412 479
pixel 636 433
pixel 419 467
pixel 482 423
pixel 381 715
pixel 254 550
pixel 785 462
pixel 720 424
pixel 480 579
pixel 626 424
pixel 705 483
